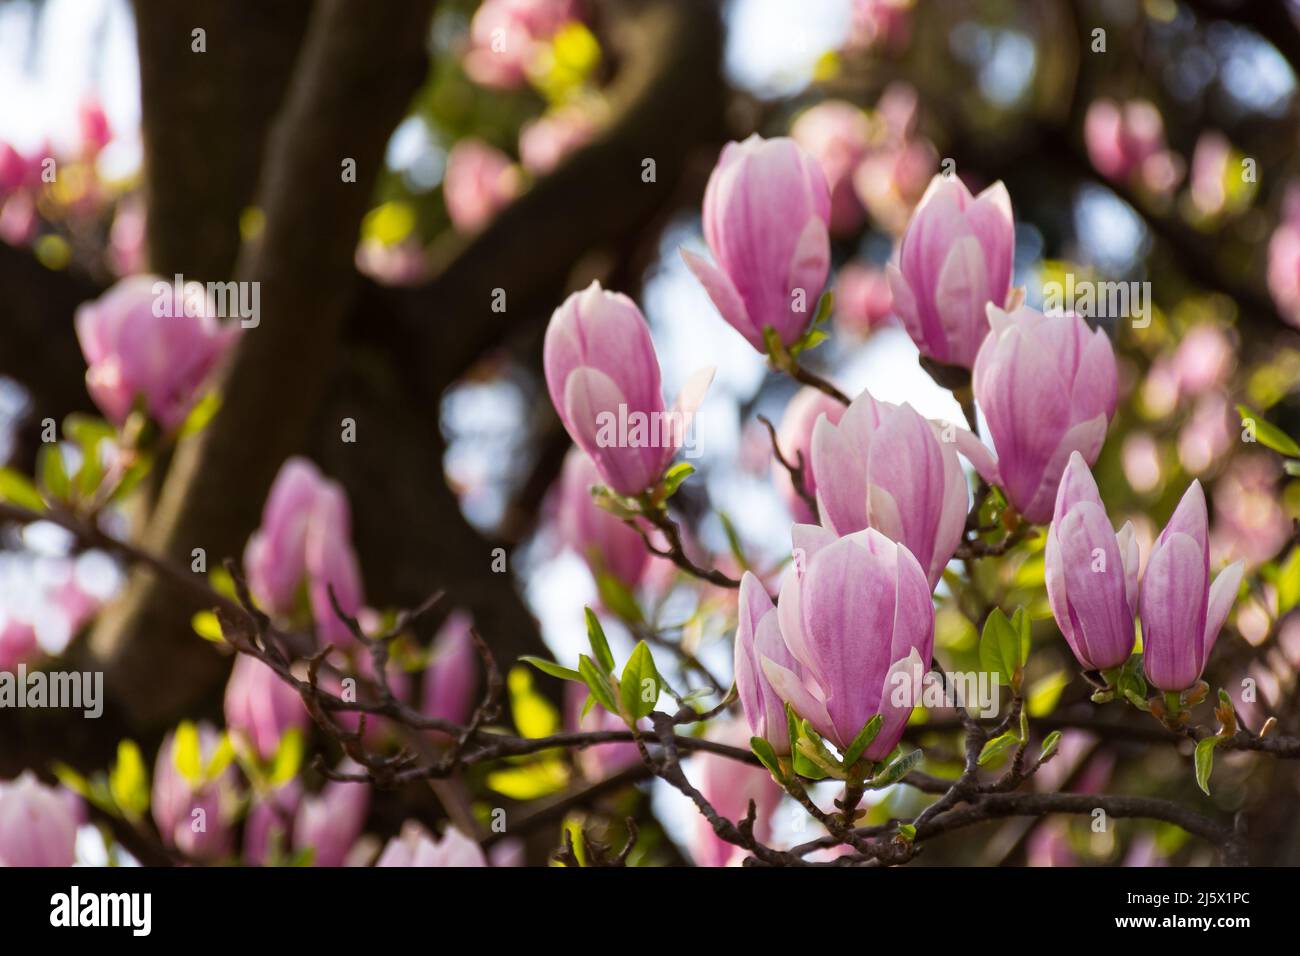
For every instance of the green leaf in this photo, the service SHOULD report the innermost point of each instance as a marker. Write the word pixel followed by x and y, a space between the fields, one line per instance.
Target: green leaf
pixel 1268 434
pixel 733 540
pixel 1288 583
pixel 288 757
pixel 1045 693
pixel 1131 681
pixel 863 740
pixel 534 715
pixel 997 747
pixel 552 668
pixel 766 754
pixel 896 769
pixel 17 489
pixel 618 597
pixel 1205 762
pixel 222 757
pixel 598 683
pixel 599 643
pixel 200 415
pixel 810 744
pixel 639 687
pixel 675 476
pixel 187 754
pixel 907 831
pixel 53 472
pixel 128 781
pixel 1050 743
pixel 1000 646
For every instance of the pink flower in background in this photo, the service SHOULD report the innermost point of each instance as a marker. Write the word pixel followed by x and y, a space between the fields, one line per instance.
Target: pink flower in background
pixel 1249 520
pixel 1047 386
pixel 268 827
pixel 1182 612
pixel 329 823
pixel 134 353
pixel 1204 359
pixel 766 212
pixel 884 466
pixel 415 847
pixel 603 378
pixel 601 761
pixel 880 25
pixel 856 614
pixel 38 824
pixel 1091 573
pixel 305 538
pixel 451 677
pixel 392 263
pixel 607 544
pixel 838 135
pixel 13 171
pixel 195 817
pixel 479 182
pixel 1127 141
pixel 863 300
pixel 893 179
pixel 545 141
pixel 94 128
pixel 1284 259
pixel 1209 172
pixel 17 642
pixel 730 786
pixel 126 238
pixel 1140 459
pixel 795 439
pixel 331 565
pixel 1208 434
pixel 260 707
pixel 507 36
pixel 954 261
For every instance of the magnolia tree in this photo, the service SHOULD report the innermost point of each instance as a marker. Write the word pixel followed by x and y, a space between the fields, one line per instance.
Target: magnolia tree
pixel 1010 632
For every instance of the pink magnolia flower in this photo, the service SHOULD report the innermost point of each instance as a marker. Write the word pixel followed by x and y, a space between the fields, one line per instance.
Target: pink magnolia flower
pixel 141 345
pixel 13 171
pixel 452 675
pixel 547 140
pixel 331 564
pixel 38 826
pixel 1092 573
pixel 1182 612
pixel 93 123
pixel 607 544
pixel 415 847
pixel 954 261
pixel 863 300
pixel 1048 386
pixel 1249 520
pixel 603 379
pixel 1284 259
pixel 766 212
pixel 259 707
pixel 479 182
pixel 330 822
pixel 305 537
pixel 856 614
pixel 17 642
pixel 195 818
pixel 880 25
pixel 268 827
pixel 758 636
pixel 730 786
pixel 1127 141
pixel 838 135
pixel 507 36
pixel 1209 172
pixel 884 466
pixel 1204 359
pixel 794 438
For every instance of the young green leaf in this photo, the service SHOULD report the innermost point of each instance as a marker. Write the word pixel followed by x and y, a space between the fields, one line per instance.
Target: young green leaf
pixel 15 488
pixel 599 644
pixel 896 769
pixel 552 668
pixel 1050 743
pixel 128 781
pixel 997 747
pixel 675 476
pixel 618 597
pixel 1268 434
pixel 639 687
pixel 53 472
pixel 766 755
pixel 863 740
pixel 187 753
pixel 598 683
pixel 1000 646
pixel 1205 762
